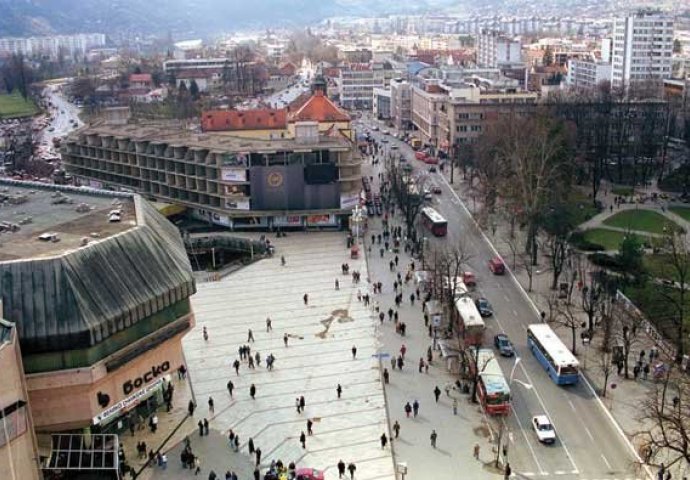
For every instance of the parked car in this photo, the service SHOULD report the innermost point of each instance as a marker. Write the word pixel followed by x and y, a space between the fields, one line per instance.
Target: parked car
pixel 484 307
pixel 436 189
pixel 308 474
pixel 469 279
pixel 544 429
pixel 497 266
pixel 432 168
pixel 504 345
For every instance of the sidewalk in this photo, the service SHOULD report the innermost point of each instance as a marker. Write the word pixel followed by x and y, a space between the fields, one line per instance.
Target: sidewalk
pixel 457 434
pixel 623 401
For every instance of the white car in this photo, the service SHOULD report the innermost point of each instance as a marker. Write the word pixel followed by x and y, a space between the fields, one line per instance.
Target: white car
pixel 544 429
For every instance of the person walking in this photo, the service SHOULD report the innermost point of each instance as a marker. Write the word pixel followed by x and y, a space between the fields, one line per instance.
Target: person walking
pixel 476 451
pixel 437 393
pixel 384 440
pixel 285 339
pixel 339 390
pixel 210 405
pixel 341 468
pixel 403 351
pixel 309 425
pixel 257 474
pixel 507 472
pixel 236 364
pixel 303 440
pixel 204 332
pixel 231 387
pixel 250 446
pixel 421 364
pixel 257 454
pixel 455 406
pixel 352 468
pixel 386 376
pixel 206 426
pixel 302 403
pixel 396 429
pixel 433 438
pixel 337 284
pixel 252 391
pixel 354 352
pixel 306 299
pixel 190 408
pixel 269 324
pixel 415 408
pixel 408 409
pixel 250 336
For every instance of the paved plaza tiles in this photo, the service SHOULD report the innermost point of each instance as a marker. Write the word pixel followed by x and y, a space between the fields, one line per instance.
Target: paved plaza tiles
pixel 318 358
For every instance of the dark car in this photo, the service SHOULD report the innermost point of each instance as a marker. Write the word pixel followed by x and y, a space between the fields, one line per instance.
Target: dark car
pixel 503 344
pixel 484 307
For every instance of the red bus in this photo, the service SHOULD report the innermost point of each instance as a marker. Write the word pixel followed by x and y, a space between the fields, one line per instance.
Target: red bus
pixel 493 390
pixel 434 222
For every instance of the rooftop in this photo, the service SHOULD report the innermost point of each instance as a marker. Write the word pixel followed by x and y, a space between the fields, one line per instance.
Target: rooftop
pixel 259 119
pixel 220 142
pixel 319 109
pixel 27 213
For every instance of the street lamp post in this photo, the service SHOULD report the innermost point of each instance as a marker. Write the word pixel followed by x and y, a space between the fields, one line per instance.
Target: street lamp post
pixel 500 448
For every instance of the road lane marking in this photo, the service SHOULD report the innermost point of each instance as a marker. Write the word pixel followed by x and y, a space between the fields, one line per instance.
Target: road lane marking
pixel 608 414
pixel 606 461
pixel 506 297
pixel 531 449
pixel 591 437
pixel 515 313
pixel 571 405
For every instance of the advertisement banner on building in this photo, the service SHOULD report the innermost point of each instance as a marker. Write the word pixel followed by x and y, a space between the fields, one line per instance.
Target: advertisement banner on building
pixel 287 221
pixel 236 204
pixel 228 174
pixel 321 220
pixel 349 200
pixel 130 401
pixel 236 159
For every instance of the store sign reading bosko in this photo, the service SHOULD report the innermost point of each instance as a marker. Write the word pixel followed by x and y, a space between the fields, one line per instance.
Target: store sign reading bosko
pixel 130 385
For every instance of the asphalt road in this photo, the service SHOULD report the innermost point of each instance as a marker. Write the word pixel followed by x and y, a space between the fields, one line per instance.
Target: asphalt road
pixel 589 445
pixel 63 113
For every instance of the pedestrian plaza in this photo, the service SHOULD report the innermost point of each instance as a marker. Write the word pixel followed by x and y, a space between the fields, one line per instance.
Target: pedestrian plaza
pixel 317 358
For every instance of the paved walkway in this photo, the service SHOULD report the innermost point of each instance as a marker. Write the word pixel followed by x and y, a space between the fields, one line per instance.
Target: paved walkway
pixel 624 401
pixel 317 358
pixel 457 434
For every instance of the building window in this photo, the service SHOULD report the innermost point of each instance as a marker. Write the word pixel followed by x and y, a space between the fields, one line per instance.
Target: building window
pixel 12 421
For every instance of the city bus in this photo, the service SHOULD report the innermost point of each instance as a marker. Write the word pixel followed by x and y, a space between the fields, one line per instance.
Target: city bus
pixel 472 325
pixel 493 390
pixel 553 355
pixel 433 221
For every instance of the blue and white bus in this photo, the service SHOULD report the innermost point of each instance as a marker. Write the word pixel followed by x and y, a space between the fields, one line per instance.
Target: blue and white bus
pixel 554 356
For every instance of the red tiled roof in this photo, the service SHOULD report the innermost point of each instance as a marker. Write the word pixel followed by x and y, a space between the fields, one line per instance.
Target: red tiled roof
pixel 140 78
pixel 228 120
pixel 319 109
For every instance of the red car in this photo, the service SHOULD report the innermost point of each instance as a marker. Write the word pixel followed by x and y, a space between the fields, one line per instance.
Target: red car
pixel 308 474
pixel 420 156
pixel 497 266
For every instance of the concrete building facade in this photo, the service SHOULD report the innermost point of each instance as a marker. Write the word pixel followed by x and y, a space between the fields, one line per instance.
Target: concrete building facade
pixel 494 49
pixel 587 73
pixel 382 103
pixel 310 180
pixel 642 49
pixel 401 104
pixel 356 84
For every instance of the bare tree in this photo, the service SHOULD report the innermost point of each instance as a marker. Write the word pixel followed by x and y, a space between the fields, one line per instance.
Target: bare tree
pixel 566 315
pixel 450 263
pixel 605 364
pixel 628 328
pixel 667 412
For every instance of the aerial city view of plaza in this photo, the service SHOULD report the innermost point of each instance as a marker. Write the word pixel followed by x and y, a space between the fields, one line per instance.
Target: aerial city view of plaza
pixel 365 240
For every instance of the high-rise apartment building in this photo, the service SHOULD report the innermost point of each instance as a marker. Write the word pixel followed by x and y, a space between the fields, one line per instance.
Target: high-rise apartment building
pixel 494 49
pixel 52 46
pixel 642 48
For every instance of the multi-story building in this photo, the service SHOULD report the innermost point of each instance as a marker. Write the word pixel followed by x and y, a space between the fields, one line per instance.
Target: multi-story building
pixel 642 49
pixel 18 446
pixel 311 179
pixel 427 99
pixel 96 290
pixel 53 46
pixel 356 84
pixel 587 73
pixel 382 103
pixel 401 104
pixel 494 49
